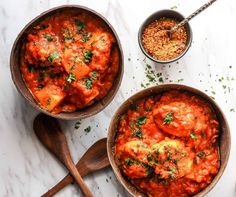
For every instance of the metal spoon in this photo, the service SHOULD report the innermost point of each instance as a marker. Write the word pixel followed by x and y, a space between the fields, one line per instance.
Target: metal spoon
pixel 183 22
pixel 94 159
pixel 49 132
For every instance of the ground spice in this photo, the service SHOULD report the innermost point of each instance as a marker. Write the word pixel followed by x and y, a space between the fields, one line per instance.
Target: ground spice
pixel 159 44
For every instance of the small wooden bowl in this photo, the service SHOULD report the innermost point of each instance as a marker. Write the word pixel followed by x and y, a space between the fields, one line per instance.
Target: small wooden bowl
pixel 20 84
pixel 224 138
pixel 168 14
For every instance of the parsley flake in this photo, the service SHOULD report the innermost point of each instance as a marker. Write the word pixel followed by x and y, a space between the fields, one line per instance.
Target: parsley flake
pixel 169 118
pixel 70 78
pixel 88 56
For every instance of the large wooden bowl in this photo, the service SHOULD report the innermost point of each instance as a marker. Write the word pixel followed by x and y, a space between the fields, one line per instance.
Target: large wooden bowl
pixel 224 138
pixel 19 82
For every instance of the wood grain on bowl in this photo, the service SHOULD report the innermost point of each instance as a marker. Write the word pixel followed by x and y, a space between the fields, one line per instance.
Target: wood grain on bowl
pixel 51 81
pixel 223 138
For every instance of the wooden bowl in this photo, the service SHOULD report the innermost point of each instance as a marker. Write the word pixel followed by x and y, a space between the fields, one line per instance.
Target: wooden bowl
pixel 224 137
pixel 20 84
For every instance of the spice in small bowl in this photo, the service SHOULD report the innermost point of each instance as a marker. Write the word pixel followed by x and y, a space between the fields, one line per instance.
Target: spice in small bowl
pixel 159 44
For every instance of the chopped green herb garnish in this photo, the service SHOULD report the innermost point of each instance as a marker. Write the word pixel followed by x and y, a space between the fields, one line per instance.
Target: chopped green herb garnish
pixel 77 124
pixel 138 133
pixel 183 154
pixel 169 118
pixel 41 76
pixel 134 107
pixel 30 68
pixel 40 86
pixel 49 39
pixel 88 129
pixel 49 101
pixel 65 88
pixel 72 67
pixel 94 75
pixel 141 120
pixel 88 83
pixel 148 109
pixel 53 56
pixel 232 110
pixel 84 38
pixel 149 157
pixel 201 154
pixel 173 7
pixel 79 24
pixel 193 135
pixel 43 27
pixel 70 78
pixel 88 56
pixel 129 162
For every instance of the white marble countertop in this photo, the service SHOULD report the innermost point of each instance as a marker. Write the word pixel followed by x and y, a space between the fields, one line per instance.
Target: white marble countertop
pixel 28 170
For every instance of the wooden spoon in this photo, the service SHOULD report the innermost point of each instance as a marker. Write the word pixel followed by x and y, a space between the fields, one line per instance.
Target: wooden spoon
pixel 93 160
pixel 49 132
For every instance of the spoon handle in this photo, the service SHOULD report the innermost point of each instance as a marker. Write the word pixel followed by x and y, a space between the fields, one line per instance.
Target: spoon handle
pixel 78 179
pixel 183 22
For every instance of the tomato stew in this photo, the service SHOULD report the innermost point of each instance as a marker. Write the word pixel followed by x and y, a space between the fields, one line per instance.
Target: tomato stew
pixel 69 61
pixel 167 144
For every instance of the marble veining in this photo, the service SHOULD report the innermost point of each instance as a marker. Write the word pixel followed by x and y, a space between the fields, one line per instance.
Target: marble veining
pixel 28 170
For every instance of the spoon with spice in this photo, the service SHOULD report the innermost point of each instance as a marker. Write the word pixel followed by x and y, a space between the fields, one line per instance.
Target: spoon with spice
pixel 183 22
pixel 49 132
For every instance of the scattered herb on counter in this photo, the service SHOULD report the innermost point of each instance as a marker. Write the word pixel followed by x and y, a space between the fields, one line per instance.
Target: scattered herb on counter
pixel 169 118
pixel 77 124
pixel 70 78
pixel 173 7
pixel 88 129
pixel 232 110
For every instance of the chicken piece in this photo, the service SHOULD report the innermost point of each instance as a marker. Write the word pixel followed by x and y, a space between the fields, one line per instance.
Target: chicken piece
pixel 101 49
pixel 135 149
pixel 180 114
pixel 171 159
pixel 134 159
pixel 43 49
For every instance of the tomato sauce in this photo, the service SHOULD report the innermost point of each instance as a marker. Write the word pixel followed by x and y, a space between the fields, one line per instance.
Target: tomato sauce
pixel 166 145
pixel 69 62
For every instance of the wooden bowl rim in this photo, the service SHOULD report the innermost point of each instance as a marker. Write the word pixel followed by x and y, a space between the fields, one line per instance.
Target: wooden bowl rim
pixel 97 106
pixel 224 127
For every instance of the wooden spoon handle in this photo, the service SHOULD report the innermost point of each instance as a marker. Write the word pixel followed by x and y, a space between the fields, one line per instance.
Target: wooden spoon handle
pixel 78 179
pixel 68 179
